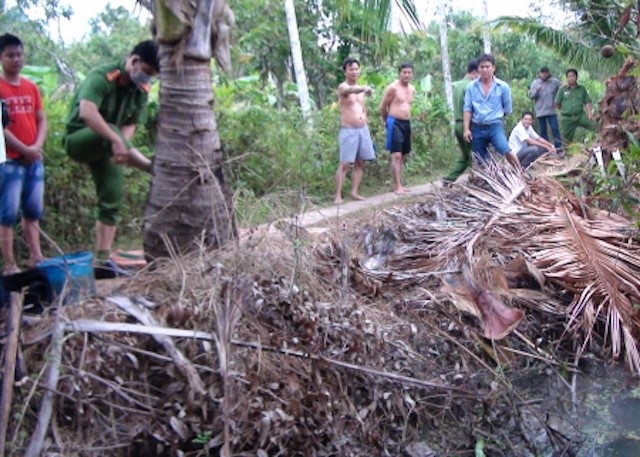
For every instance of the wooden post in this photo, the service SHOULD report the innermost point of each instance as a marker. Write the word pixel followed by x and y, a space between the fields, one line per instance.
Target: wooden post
pixel 9 368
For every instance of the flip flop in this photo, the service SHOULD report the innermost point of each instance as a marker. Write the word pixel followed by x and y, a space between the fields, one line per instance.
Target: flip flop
pixel 129 259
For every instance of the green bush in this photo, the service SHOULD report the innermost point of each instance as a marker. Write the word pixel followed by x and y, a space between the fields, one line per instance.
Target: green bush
pixel 271 152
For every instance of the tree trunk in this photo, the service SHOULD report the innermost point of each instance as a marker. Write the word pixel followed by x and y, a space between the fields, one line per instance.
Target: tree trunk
pixel 444 51
pixel 617 110
pixel 188 202
pixel 296 54
pixel 486 37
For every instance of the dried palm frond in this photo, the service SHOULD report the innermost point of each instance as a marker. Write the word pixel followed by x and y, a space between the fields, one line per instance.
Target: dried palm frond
pixel 562 242
pixel 602 271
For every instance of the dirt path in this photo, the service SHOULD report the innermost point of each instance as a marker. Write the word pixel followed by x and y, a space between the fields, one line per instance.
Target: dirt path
pixel 319 220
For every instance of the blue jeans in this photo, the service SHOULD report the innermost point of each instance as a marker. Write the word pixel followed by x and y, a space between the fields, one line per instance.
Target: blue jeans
pixel 483 134
pixel 553 124
pixel 21 187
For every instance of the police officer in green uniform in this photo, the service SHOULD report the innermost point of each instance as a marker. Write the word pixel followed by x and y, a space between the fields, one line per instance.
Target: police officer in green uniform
pixel 572 100
pixel 459 87
pixel 103 116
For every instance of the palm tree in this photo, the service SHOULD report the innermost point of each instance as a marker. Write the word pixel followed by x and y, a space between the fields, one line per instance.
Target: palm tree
pixel 296 54
pixel 444 51
pixel 595 23
pixel 376 17
pixel 486 36
pixel 188 203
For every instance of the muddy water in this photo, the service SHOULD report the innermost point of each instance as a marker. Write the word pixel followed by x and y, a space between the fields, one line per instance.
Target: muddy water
pixel 607 412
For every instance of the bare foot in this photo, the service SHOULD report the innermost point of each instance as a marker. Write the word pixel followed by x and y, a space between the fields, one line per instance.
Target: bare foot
pixel 338 201
pixel 401 191
pixel 10 270
pixel 33 262
pixel 357 197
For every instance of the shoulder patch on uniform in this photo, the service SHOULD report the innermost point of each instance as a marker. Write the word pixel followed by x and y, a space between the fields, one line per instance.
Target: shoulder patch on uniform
pixel 113 75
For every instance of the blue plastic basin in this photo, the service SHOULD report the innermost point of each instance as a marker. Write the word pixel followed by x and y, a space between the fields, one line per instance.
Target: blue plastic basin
pixel 71 275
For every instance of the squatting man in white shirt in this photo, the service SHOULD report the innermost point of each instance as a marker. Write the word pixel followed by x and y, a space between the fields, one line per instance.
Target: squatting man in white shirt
pixel 526 143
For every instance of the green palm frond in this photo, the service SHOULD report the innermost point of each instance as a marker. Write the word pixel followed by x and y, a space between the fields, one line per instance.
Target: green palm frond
pixel 372 18
pixel 577 45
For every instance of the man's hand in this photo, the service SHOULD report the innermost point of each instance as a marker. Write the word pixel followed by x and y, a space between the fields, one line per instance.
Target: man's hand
pixel 120 152
pixel 368 91
pixel 467 135
pixel 31 154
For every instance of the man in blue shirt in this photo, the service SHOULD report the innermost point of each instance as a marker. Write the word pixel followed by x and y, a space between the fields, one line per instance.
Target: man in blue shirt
pixel 487 101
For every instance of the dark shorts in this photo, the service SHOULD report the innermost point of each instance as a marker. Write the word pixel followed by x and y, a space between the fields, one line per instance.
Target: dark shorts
pixel 398 135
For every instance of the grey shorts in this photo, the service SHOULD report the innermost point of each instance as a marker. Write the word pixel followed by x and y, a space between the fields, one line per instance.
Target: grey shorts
pixel 355 144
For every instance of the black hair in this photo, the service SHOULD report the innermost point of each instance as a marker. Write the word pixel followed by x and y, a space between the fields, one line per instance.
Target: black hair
pixel 9 40
pixel 525 113
pixel 487 58
pixel 148 53
pixel 404 65
pixel 571 70
pixel 544 70
pixel 348 61
pixel 472 66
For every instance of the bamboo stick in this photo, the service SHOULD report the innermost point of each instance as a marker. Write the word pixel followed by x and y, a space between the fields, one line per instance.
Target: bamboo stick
pixel 9 368
pixel 46 406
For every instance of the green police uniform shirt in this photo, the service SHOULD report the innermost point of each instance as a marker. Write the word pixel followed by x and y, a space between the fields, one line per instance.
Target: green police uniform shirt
pixel 572 100
pixel 459 88
pixel 120 103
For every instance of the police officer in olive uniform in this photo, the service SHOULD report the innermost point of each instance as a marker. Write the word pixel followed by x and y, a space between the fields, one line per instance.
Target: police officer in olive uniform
pixel 572 100
pixel 102 120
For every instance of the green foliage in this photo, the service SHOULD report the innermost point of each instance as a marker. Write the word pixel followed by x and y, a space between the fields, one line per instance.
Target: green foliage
pixel 615 191
pixel 596 23
pixel 330 30
pixel 277 162
pixel 39 48
pixel 114 33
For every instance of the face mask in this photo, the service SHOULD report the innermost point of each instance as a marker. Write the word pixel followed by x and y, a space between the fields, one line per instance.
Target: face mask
pixel 140 78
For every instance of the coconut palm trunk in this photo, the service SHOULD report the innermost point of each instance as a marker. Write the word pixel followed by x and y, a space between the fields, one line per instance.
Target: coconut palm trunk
pixel 296 54
pixel 486 36
pixel 444 51
pixel 188 203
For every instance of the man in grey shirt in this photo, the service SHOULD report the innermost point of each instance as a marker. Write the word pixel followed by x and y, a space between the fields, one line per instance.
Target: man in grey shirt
pixel 543 90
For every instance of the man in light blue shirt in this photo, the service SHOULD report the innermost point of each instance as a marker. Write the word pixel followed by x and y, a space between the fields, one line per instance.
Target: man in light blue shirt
pixel 487 101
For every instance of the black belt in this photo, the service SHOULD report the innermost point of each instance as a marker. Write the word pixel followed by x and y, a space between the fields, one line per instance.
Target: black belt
pixel 484 126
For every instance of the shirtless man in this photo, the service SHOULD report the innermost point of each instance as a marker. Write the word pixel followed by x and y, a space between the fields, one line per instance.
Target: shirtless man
pixel 395 110
pixel 354 138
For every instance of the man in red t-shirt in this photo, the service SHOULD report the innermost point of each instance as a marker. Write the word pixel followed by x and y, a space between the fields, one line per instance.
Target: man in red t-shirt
pixel 22 176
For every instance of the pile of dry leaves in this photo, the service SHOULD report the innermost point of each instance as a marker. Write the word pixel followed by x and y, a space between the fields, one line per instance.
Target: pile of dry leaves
pixel 440 329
